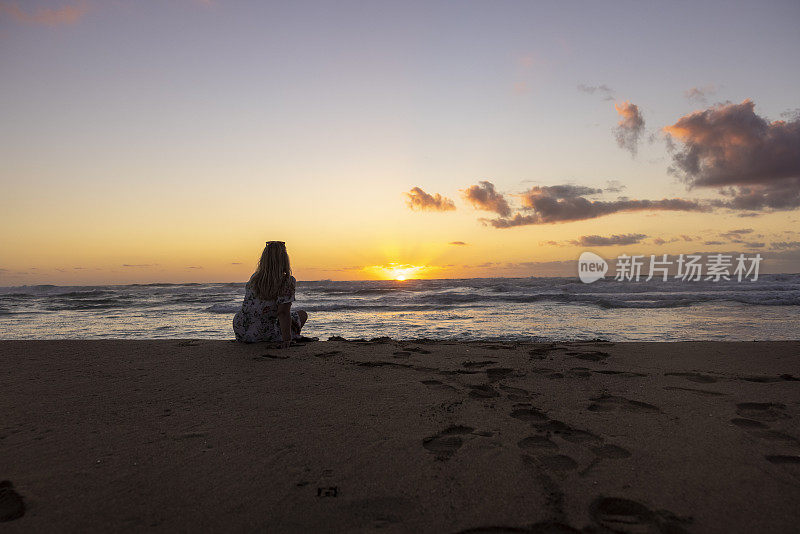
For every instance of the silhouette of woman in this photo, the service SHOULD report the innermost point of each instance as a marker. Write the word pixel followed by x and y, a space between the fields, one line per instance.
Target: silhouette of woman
pixel 266 313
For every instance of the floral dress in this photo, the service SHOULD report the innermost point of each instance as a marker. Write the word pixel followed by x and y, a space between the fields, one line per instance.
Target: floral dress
pixel 258 319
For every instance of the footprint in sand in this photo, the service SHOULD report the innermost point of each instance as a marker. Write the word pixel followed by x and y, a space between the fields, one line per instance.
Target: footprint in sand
pixel 496 373
pixel 515 393
pixel 610 403
pixel 580 372
pixel 540 353
pixel 530 415
pixel 11 504
pixel 401 354
pixel 483 391
pixel 623 515
pixel 747 423
pixel 623 374
pixel 779 437
pixel 484 363
pixel 543 527
pixel 695 377
pixel 783 459
pixel 591 356
pixel 558 462
pixel 265 357
pixel 762 411
pixel 327 354
pixel 706 392
pixel 445 444
pixel 418 350
pixel 611 451
pixel 573 435
pixel 536 442
pixel 437 384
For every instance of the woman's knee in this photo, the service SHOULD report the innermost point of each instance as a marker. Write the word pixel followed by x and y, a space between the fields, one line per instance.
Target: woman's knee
pixel 303 316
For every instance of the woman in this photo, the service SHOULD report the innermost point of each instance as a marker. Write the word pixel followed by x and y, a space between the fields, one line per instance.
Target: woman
pixel 266 311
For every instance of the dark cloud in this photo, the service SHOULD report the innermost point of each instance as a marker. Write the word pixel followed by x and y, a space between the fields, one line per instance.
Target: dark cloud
pixel 785 245
pixel 564 203
pixel 613 186
pixel 484 197
pixel 193 267
pixel 603 90
pixel 630 127
pixel 791 114
pixel 756 163
pixel 700 94
pixel 565 190
pixel 659 241
pixel 714 243
pixel 601 241
pixel 459 243
pixel 736 234
pixel 422 201
pixel 236 263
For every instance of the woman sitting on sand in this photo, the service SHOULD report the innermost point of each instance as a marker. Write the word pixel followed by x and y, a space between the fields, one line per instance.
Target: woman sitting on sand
pixel 266 311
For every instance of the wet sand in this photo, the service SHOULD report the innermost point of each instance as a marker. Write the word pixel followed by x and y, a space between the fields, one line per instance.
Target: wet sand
pixel 400 436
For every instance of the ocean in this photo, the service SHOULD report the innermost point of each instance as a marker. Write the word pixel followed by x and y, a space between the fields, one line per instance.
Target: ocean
pixel 532 309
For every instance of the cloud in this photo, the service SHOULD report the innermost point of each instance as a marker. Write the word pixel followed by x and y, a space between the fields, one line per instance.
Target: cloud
pixel 700 94
pixel 603 90
pixel 730 234
pixel 193 267
pixel 630 126
pixel 613 186
pixel 422 201
pixel 140 265
pixel 791 114
pixel 45 16
pixel 565 203
pixel 484 197
pixel 729 146
pixel 616 239
pixel 236 263
pixel 713 242
pixel 785 245
pixel 458 243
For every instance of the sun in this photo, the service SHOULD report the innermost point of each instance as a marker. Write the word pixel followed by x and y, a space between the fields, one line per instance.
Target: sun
pixel 399 272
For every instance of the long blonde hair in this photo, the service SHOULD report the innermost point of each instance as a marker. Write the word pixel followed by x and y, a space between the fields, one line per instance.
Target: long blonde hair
pixel 273 272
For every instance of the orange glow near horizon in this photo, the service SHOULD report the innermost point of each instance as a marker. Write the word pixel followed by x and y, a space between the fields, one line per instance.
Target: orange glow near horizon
pixel 397 271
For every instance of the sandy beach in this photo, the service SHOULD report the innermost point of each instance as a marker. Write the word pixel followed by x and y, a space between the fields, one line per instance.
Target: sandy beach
pixel 400 436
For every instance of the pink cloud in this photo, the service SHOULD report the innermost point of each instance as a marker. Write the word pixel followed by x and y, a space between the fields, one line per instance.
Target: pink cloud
pixel 45 16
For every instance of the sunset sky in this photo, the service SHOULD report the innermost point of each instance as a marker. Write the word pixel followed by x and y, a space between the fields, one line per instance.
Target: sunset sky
pixel 167 140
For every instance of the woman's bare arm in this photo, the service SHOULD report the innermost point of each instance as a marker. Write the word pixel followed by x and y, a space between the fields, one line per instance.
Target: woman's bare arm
pixel 285 320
